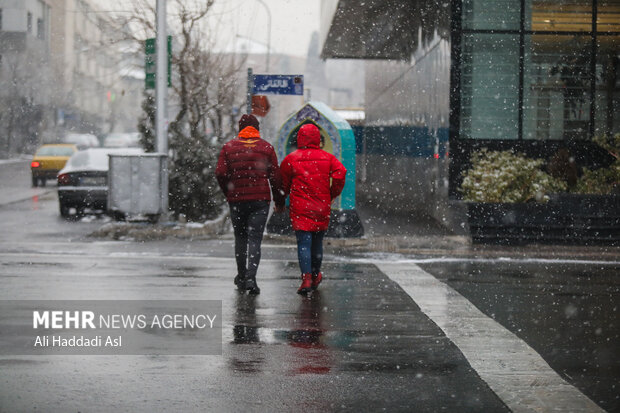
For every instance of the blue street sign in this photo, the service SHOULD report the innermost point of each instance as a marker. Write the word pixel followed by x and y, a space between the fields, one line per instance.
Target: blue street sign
pixel 278 85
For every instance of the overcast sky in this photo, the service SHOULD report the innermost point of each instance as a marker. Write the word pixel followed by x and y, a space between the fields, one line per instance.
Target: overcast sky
pixel 292 24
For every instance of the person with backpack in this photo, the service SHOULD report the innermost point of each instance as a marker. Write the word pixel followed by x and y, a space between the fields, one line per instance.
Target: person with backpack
pixel 247 169
pixel 313 178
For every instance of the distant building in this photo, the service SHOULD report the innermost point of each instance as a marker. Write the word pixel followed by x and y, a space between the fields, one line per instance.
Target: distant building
pixel 24 24
pixel 63 69
pixel 87 56
pixel 337 83
pixel 25 94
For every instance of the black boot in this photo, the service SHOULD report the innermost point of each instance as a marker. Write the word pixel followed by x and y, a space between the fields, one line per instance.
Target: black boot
pixel 240 282
pixel 251 286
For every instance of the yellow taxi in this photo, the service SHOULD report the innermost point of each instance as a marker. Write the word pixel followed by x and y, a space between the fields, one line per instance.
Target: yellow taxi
pixel 48 160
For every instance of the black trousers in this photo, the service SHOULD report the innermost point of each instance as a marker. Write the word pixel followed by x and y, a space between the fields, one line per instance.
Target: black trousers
pixel 248 220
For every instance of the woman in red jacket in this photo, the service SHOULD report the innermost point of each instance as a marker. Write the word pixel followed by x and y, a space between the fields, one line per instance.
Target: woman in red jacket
pixel 313 178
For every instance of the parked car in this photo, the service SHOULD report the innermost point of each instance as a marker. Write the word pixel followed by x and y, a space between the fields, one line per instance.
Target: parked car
pixel 82 140
pixel 48 160
pixel 83 182
pixel 122 140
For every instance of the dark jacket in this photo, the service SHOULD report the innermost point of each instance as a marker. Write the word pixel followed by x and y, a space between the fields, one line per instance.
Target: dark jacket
pixel 248 167
pixel 306 175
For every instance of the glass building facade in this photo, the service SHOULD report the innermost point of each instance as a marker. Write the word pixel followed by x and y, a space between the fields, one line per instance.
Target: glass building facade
pixel 539 69
pixel 533 75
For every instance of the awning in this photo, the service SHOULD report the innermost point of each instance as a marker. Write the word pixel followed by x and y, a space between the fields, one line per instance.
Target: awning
pixel 381 29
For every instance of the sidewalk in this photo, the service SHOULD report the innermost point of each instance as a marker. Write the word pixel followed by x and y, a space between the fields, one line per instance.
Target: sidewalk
pixel 388 233
pixel 422 236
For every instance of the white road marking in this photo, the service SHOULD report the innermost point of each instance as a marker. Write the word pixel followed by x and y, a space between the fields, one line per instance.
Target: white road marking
pixel 399 259
pixel 511 368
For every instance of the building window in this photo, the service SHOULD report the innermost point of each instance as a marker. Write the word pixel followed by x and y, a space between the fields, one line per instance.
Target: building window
pixel 556 103
pixel 40 29
pixel 491 14
pixel 558 15
pixel 29 22
pixel 489 86
pixel 607 100
pixel 548 71
pixel 607 20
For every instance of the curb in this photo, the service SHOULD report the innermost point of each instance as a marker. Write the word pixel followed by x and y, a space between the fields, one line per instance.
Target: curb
pixel 427 245
pixel 143 231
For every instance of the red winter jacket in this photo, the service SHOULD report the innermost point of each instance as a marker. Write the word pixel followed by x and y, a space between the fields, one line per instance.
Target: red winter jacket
pixel 247 166
pixel 306 176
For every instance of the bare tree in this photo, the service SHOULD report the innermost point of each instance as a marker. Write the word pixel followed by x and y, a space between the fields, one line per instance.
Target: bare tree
pixel 202 100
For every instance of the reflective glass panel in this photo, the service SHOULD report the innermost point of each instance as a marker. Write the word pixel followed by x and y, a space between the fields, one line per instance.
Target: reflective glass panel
pixel 608 86
pixel 608 16
pixel 491 14
pixel 490 86
pixel 556 87
pixel 558 15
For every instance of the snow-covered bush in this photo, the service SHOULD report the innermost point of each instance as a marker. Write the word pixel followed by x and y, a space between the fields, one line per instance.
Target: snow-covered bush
pixel 507 177
pixel 602 180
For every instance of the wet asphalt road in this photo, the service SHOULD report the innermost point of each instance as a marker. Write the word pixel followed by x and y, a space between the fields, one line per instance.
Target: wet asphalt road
pixel 361 343
pixel 345 348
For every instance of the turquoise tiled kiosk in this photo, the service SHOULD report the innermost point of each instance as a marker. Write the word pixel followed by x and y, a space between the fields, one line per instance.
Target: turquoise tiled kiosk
pixel 336 138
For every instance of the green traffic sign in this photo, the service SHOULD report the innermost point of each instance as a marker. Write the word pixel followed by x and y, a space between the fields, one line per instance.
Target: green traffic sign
pixel 150 62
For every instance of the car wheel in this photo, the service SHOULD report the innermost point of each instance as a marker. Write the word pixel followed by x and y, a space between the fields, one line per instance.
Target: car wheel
pixel 65 210
pixel 35 182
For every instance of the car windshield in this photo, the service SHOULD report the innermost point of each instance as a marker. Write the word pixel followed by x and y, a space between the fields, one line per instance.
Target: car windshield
pixel 55 151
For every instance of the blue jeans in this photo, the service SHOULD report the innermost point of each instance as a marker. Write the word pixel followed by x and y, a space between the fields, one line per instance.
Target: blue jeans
pixel 310 251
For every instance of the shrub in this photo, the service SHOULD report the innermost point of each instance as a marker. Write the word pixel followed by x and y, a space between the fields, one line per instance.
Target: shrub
pixel 602 181
pixel 507 177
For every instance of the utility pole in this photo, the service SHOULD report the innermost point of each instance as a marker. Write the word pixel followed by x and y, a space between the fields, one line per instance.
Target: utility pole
pixel 161 74
pixel 161 89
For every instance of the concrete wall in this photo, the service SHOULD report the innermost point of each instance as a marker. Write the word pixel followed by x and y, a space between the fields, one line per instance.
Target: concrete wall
pixel 404 152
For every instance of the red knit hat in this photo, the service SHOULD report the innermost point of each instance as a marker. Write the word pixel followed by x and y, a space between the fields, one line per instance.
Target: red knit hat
pixel 248 120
